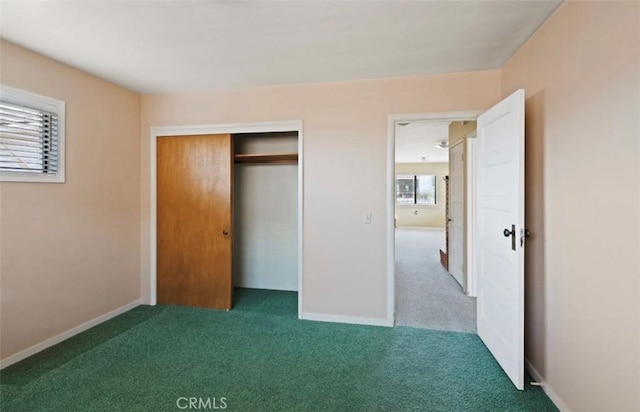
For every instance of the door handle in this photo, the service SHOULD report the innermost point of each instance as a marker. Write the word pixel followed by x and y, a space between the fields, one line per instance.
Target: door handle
pixel 225 233
pixel 511 233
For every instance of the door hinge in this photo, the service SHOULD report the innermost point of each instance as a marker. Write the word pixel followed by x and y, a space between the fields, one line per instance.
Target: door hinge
pixel 524 234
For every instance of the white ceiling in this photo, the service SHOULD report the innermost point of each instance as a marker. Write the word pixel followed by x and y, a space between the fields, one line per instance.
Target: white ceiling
pixel 418 140
pixel 170 46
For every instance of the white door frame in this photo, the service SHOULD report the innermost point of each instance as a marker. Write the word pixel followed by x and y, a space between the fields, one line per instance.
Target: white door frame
pixel 470 200
pixel 447 227
pixel 284 126
pixel 392 119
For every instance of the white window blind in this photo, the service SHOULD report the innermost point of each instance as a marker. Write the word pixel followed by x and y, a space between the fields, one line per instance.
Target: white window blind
pixel 28 139
pixel 31 137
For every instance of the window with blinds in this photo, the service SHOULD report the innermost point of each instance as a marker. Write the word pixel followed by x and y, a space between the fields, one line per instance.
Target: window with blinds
pixel 30 137
pixel 416 190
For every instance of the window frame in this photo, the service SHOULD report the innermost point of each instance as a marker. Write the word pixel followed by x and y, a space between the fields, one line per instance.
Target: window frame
pixel 38 102
pixel 415 190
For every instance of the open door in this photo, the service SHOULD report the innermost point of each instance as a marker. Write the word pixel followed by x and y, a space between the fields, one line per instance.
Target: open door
pixel 500 233
pixel 456 213
pixel 194 175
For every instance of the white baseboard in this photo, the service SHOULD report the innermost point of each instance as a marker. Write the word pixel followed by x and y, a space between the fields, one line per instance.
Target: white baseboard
pixel 23 354
pixel 323 317
pixel 546 388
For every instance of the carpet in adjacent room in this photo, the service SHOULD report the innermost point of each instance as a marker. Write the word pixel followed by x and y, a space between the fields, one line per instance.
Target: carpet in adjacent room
pixel 427 296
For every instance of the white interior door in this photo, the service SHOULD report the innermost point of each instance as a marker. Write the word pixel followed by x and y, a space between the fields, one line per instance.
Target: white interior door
pixel 500 233
pixel 456 213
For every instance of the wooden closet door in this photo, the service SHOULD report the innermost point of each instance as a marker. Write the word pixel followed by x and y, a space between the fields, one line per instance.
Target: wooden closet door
pixel 194 210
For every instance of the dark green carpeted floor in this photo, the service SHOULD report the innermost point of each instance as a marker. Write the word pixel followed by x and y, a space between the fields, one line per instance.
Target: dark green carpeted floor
pixel 260 357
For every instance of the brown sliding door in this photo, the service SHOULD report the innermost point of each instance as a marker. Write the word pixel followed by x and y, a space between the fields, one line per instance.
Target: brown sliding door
pixel 194 186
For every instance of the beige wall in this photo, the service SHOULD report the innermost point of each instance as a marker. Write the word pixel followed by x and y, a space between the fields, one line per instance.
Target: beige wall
pixel 345 169
pixel 70 252
pixel 581 73
pixel 458 131
pixel 428 216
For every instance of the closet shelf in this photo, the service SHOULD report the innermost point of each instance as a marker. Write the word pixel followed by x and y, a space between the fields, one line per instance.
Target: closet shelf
pixel 266 158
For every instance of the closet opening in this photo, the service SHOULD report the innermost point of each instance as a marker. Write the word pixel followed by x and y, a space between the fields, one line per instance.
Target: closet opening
pixel 226 218
pixel 265 222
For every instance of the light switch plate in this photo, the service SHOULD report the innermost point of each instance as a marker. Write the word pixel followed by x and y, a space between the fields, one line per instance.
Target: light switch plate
pixel 366 216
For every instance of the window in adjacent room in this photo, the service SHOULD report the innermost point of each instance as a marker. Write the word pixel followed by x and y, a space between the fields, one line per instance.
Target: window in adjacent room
pixel 416 189
pixel 31 137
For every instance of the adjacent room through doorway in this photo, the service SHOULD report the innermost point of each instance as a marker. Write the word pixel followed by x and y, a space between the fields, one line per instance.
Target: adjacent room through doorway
pixel 427 293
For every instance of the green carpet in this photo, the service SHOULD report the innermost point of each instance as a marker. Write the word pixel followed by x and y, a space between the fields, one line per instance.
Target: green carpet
pixel 260 357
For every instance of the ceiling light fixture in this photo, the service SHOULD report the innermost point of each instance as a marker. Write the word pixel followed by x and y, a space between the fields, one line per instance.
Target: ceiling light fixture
pixel 442 145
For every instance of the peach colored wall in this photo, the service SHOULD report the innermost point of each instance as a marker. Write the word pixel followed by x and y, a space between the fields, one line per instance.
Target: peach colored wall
pixel 71 252
pixel 581 72
pixel 345 168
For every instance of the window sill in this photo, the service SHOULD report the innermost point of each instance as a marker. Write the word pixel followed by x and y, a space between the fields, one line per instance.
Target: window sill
pixel 403 206
pixel 31 177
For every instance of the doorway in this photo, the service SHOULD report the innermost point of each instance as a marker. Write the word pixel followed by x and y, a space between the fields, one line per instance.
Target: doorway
pixel 501 234
pixel 426 293
pixel 496 234
pixel 234 130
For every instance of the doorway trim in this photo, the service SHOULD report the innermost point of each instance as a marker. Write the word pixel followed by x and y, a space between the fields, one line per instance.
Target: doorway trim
pixel 232 128
pixel 392 119
pixel 470 199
